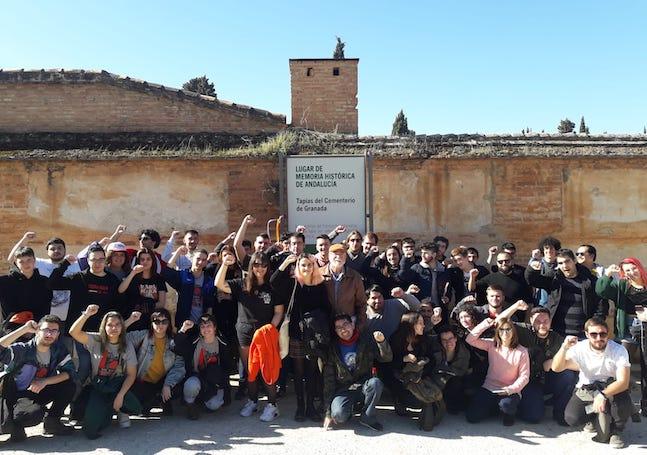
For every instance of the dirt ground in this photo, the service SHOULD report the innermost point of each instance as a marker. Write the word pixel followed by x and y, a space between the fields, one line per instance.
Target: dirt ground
pixel 226 430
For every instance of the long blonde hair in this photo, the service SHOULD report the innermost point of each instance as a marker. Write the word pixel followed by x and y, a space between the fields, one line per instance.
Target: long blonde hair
pixel 315 277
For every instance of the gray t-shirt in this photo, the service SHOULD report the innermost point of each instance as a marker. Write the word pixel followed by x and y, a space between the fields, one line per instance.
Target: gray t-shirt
pixel 109 362
pixel 388 321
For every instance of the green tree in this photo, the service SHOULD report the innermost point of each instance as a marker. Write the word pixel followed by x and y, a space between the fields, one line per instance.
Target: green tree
pixel 566 126
pixel 200 85
pixel 339 50
pixel 583 127
pixel 401 126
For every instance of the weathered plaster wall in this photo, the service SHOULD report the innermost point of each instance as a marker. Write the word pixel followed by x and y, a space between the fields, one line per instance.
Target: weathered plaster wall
pixel 474 201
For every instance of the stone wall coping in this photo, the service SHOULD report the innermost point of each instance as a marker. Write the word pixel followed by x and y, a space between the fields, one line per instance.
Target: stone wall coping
pixel 80 76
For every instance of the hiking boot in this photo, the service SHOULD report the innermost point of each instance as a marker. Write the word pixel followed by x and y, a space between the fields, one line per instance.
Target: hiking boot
pixel 589 427
pixel 123 419
pixel 270 413
pixel 300 414
pixel 373 425
pixel 508 420
pixel 18 434
pixel 193 411
pixel 167 409
pixel 250 408
pixel 313 414
pixel 53 425
pixel 616 441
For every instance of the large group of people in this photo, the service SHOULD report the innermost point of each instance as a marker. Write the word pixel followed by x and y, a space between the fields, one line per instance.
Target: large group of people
pixel 122 331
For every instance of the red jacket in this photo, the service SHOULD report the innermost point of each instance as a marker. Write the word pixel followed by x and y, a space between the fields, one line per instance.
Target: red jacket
pixel 264 355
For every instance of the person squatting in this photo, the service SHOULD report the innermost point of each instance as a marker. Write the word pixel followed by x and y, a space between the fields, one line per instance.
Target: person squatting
pixel 121 331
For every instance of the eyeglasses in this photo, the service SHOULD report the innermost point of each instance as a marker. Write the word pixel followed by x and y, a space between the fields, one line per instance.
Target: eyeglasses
pixel 598 334
pixel 504 261
pixel 50 331
pixel 343 326
pixel 505 330
pixel 160 321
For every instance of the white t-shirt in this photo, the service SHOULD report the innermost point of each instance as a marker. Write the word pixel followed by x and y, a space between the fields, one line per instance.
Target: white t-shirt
pixel 598 366
pixel 61 297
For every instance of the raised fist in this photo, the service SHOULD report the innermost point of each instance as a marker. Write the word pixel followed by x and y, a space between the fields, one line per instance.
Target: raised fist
pixel 91 310
pixel 135 316
pixel 174 235
pixel 29 235
pixel 182 251
pixel 378 336
pixel 493 249
pixel 31 326
pixel 70 258
pixel 186 326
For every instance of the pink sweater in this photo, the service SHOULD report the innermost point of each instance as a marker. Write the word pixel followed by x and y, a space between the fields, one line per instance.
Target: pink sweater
pixel 508 369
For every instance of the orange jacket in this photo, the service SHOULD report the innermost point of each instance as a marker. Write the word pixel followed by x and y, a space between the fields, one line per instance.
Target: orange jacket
pixel 264 355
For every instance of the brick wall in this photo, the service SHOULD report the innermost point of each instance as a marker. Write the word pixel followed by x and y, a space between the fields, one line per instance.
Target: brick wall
pixel 321 100
pixel 476 202
pixel 99 107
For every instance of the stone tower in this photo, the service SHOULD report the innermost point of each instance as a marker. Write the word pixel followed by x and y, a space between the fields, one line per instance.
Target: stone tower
pixel 324 94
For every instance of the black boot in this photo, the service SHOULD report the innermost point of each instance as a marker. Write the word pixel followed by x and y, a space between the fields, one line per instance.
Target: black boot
pixel 300 414
pixel 18 434
pixel 427 417
pixel 53 425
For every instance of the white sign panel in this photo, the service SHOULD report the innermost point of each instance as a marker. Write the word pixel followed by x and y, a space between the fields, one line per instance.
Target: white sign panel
pixel 324 192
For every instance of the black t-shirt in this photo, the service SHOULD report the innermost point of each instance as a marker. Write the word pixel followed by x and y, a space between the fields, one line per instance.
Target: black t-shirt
pixel 257 307
pixel 539 349
pixel 143 295
pixel 514 286
pixel 635 297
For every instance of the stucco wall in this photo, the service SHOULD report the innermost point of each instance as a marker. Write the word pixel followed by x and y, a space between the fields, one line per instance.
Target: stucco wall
pixel 475 202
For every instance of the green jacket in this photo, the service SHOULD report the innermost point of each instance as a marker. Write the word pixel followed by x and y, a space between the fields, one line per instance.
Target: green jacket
pixel 336 375
pixel 616 290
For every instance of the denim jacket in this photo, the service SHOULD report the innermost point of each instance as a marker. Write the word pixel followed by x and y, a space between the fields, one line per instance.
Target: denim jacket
pixel 144 345
pixel 20 360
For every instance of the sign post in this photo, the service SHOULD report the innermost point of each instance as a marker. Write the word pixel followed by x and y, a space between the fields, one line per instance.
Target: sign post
pixel 326 191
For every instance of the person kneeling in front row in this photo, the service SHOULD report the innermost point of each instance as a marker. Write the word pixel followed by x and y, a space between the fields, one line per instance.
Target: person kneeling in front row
pixel 602 391
pixel 38 371
pixel 347 373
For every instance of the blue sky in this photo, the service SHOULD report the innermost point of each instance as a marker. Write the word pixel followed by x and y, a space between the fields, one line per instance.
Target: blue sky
pixel 454 67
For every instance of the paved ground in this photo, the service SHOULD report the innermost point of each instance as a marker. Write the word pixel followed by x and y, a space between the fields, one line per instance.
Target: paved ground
pixel 226 430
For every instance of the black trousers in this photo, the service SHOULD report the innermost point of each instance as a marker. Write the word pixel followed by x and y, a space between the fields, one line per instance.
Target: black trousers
pixel 620 410
pixel 60 395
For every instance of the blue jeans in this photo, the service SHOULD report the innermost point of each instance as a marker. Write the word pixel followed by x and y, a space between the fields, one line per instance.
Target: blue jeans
pixel 559 385
pixel 485 403
pixel 341 408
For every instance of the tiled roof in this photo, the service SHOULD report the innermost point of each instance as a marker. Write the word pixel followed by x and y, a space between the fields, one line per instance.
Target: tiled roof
pixel 62 76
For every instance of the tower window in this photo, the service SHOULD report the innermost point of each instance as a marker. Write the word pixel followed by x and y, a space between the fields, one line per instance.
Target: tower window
pixel 309 71
pixel 335 71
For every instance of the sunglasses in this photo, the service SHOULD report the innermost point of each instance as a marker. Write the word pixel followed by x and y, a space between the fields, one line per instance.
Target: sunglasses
pixel 505 330
pixel 50 331
pixel 598 334
pixel 160 321
pixel 259 264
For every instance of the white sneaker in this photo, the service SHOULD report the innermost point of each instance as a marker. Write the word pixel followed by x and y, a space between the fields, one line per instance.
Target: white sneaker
pixel 249 408
pixel 216 401
pixel 123 419
pixel 270 413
